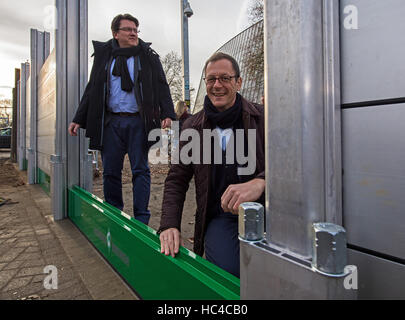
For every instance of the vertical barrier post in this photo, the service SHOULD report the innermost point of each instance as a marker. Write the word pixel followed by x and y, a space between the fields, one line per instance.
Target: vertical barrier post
pixel 13 153
pixel 303 184
pixel 31 170
pixel 39 52
pixel 69 165
pixel 86 159
pixel 25 73
pixel 18 121
pixel 294 122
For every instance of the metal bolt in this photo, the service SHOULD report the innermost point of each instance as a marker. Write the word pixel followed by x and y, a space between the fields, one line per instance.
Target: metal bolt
pixel 329 248
pixel 251 221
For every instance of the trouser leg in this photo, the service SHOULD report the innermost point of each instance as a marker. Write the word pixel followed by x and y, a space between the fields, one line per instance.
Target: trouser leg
pixel 222 243
pixel 138 157
pixel 112 155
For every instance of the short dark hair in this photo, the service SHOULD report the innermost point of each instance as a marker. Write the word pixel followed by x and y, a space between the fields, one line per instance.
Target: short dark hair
pixel 219 56
pixel 115 24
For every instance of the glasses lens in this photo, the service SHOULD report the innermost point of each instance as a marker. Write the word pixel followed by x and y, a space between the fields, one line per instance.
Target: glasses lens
pixel 222 79
pixel 126 29
pixel 210 80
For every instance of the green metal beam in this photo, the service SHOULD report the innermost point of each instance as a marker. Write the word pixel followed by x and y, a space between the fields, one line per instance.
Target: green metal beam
pixel 44 180
pixel 133 249
pixel 25 164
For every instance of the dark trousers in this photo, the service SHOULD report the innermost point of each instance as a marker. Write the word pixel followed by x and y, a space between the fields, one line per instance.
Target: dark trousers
pixel 124 135
pixel 222 243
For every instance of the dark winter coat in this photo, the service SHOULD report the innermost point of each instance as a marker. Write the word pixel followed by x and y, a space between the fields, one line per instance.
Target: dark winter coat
pixel 155 106
pixel 179 176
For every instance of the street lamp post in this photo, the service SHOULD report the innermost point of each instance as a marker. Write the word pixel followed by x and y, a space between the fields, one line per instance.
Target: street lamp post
pixel 185 13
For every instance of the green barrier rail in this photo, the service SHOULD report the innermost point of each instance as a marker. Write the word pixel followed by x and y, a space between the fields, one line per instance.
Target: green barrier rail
pixel 25 164
pixel 44 181
pixel 133 249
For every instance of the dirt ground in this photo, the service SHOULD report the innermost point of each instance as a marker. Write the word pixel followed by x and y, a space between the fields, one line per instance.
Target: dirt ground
pixel 158 176
pixel 8 176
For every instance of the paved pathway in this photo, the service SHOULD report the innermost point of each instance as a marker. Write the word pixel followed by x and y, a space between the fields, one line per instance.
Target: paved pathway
pixel 30 241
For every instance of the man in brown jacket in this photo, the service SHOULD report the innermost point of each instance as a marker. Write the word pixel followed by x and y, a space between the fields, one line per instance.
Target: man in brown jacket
pixel 220 186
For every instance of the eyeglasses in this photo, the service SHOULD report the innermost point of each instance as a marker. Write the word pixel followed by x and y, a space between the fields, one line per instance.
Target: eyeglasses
pixel 222 79
pixel 127 29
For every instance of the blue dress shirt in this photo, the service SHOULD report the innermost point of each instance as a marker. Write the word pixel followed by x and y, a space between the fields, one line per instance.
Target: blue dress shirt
pixel 119 100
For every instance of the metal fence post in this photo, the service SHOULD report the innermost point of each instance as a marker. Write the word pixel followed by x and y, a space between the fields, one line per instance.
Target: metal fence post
pixel 70 162
pixel 86 159
pixel 14 131
pixel 302 92
pixel 25 70
pixel 18 120
pixel 39 53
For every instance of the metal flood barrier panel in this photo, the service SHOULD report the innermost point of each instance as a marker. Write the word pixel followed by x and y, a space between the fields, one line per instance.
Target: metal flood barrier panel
pixel 373 145
pixel 133 249
pixel 335 113
pixel 46 119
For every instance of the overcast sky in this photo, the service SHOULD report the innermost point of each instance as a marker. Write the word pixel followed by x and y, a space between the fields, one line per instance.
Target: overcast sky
pixel 214 22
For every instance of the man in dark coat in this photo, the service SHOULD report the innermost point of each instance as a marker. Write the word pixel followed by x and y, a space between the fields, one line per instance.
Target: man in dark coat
pixel 127 96
pixel 220 187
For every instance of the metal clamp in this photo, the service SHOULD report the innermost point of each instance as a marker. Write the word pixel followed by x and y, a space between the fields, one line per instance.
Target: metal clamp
pixel 329 249
pixel 251 221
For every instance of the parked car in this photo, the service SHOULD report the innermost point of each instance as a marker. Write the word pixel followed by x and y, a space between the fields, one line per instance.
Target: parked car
pixel 5 138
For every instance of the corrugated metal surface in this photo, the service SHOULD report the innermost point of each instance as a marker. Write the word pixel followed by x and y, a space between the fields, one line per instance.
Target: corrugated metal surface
pixel 46 113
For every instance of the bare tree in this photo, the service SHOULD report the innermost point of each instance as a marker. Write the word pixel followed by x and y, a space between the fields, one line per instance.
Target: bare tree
pixel 255 11
pixel 172 67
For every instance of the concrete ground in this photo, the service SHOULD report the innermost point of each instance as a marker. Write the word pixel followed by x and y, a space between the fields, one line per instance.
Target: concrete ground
pixel 32 244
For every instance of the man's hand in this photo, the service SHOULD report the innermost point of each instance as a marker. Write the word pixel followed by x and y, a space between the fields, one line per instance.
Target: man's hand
pixel 236 194
pixel 166 123
pixel 73 128
pixel 170 242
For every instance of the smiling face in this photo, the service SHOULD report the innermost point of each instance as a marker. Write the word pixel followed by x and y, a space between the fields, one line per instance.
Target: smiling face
pixel 126 38
pixel 222 94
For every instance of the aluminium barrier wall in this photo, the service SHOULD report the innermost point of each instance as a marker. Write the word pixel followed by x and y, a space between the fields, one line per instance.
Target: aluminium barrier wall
pixel 373 145
pixel 335 108
pixel 36 110
pixel 27 119
pixel 46 120
pixel 40 47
